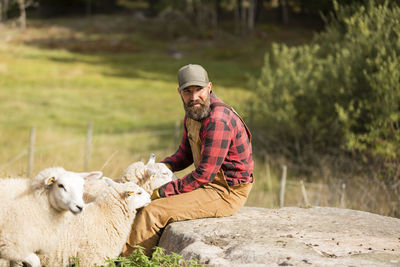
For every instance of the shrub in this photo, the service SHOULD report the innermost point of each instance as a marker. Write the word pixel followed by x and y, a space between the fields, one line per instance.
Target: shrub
pixel 159 258
pixel 340 91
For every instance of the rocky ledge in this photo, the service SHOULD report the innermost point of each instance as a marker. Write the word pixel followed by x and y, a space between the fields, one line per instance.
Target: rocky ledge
pixel 317 236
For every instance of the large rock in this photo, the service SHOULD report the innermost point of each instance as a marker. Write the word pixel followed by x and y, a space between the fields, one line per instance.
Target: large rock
pixel 317 236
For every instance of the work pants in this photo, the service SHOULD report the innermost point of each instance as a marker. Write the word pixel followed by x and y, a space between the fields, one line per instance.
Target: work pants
pixel 211 200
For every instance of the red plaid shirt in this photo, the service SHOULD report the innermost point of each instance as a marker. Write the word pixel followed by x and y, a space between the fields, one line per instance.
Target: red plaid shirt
pixel 225 144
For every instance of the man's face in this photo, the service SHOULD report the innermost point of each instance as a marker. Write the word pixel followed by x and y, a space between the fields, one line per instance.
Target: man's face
pixel 196 101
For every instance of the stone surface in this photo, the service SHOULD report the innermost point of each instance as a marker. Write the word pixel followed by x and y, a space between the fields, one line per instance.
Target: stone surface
pixel 318 236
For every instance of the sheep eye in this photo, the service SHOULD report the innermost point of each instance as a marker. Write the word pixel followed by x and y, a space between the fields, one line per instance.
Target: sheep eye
pixel 62 186
pixel 139 193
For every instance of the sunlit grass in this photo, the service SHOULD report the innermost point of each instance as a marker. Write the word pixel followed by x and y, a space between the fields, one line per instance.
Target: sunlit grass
pixel 121 75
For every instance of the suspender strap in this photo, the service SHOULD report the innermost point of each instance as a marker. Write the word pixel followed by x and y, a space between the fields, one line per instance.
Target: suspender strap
pixel 218 104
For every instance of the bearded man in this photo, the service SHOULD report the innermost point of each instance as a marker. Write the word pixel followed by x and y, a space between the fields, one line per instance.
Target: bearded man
pixel 217 141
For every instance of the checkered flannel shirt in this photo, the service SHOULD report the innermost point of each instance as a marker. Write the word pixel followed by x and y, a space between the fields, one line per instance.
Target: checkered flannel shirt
pixel 225 144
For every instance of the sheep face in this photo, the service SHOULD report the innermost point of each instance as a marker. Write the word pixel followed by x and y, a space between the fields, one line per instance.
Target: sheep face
pixel 150 176
pixel 66 189
pixel 159 174
pixel 134 195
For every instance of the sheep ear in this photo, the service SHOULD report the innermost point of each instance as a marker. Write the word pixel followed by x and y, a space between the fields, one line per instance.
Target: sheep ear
pixel 91 175
pixel 152 158
pixel 50 180
pixel 109 181
pixel 150 171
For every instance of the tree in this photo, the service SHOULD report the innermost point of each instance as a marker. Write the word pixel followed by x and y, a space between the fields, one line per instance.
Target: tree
pixel 22 15
pixel 4 4
pixel 283 4
pixel 339 93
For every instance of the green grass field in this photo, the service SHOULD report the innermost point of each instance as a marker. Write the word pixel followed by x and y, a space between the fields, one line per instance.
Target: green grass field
pixel 120 74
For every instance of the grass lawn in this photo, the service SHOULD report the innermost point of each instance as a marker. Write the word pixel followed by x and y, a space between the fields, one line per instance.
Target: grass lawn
pixel 120 73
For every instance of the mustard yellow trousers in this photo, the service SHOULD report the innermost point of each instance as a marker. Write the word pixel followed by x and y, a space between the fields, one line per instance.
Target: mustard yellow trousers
pixel 212 200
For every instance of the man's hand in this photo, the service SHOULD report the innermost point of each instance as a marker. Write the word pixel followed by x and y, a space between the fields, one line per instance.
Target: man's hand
pixel 155 195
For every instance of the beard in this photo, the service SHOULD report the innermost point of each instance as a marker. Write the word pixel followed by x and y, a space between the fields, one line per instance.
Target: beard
pixel 197 113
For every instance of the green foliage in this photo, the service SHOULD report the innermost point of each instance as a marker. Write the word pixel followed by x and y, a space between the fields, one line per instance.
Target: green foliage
pixel 159 258
pixel 342 90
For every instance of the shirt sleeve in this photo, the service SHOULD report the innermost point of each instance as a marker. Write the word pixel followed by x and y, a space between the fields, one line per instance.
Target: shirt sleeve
pixel 183 156
pixel 213 152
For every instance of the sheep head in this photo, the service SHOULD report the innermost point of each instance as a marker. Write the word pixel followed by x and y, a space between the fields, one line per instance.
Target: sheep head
pixel 134 173
pixel 65 188
pixel 150 176
pixel 134 195
pixel 158 174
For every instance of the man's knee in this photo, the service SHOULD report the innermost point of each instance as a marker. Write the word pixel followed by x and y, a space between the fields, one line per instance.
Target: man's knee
pixel 152 214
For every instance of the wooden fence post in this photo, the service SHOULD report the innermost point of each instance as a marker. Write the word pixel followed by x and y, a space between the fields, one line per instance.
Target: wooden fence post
pixel 283 184
pixel 88 145
pixel 304 192
pixel 31 151
pixel 342 196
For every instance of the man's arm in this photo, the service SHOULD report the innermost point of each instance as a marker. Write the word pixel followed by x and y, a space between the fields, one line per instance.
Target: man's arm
pixel 214 150
pixel 183 156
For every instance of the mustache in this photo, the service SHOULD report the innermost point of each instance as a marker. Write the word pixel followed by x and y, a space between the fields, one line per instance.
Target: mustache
pixel 192 103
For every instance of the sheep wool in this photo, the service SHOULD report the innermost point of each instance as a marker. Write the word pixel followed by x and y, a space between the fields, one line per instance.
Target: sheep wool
pixel 34 213
pixel 93 188
pixel 149 176
pixel 102 229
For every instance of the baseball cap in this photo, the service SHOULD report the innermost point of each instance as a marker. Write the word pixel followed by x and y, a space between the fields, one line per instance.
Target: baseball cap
pixel 192 74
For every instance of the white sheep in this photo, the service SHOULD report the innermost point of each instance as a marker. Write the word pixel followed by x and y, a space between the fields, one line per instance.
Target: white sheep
pixel 102 229
pixel 93 188
pixel 150 176
pixel 34 212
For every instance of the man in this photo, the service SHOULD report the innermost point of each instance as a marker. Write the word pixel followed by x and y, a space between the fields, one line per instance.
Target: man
pixel 217 141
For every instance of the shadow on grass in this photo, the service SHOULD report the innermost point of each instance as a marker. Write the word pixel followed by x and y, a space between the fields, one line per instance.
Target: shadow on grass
pixel 131 47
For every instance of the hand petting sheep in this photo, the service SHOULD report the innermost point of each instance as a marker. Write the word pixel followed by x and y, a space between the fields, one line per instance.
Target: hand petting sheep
pixel 34 213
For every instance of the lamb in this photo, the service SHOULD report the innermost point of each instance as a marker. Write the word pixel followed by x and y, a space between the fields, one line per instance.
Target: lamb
pixel 34 212
pixel 103 227
pixel 150 176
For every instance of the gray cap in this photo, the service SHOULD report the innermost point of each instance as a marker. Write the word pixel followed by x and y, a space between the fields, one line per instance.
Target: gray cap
pixel 192 74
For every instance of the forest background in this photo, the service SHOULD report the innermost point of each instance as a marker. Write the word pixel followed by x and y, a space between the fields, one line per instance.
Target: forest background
pixel 317 82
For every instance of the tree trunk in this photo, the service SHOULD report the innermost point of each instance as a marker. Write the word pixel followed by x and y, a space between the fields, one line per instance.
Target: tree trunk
pixel 244 14
pixel 251 16
pixel 3 10
pixel 285 11
pixel 88 8
pixel 259 10
pixel 190 7
pixel 237 17
pixel 217 13
pixel 198 9
pixel 218 8
pixel 22 16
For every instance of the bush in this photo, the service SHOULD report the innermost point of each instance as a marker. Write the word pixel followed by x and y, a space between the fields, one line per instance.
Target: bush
pixel 340 91
pixel 159 258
